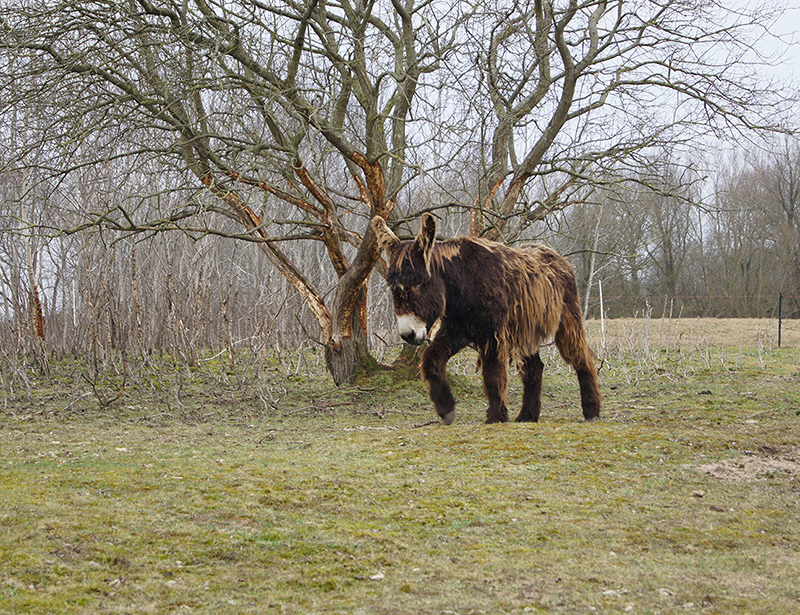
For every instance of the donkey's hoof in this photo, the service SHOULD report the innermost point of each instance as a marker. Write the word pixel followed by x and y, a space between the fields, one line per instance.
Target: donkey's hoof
pixel 496 416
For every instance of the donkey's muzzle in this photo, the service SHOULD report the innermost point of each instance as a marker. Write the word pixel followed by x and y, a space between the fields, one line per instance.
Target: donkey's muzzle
pixel 412 329
pixel 411 338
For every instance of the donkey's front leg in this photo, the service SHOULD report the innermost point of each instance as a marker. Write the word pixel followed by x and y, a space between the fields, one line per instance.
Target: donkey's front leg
pixel 495 386
pixel 434 373
pixel 531 372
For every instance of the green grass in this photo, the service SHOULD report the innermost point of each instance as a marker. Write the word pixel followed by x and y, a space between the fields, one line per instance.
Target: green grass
pixel 233 491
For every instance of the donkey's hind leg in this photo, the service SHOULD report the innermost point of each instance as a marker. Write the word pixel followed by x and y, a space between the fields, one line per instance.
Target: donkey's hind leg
pixel 531 374
pixel 571 343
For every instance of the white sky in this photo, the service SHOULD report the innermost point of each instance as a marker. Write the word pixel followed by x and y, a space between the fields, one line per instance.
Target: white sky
pixel 787 29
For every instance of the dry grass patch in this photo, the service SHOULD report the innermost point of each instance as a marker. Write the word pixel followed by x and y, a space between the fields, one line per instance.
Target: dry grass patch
pixel 688 332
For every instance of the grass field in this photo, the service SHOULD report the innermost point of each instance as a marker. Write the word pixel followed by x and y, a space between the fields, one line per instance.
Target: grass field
pixel 258 487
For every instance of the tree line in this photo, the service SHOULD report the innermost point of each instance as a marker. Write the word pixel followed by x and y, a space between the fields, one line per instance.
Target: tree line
pixel 726 244
pixel 190 175
pixel 105 291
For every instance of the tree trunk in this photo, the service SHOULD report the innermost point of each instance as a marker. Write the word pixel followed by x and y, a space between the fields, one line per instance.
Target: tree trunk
pixel 347 354
pixel 351 356
pixel 34 302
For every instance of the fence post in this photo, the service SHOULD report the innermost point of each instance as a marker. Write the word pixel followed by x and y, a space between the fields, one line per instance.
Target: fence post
pixel 780 317
pixel 602 317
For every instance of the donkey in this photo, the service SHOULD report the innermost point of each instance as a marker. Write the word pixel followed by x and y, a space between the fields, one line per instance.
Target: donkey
pixel 503 301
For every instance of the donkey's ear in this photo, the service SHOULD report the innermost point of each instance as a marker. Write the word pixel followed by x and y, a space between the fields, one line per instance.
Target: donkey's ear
pixel 388 242
pixel 425 238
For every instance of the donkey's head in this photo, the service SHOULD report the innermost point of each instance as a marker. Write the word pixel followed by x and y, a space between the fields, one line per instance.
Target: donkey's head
pixel 417 290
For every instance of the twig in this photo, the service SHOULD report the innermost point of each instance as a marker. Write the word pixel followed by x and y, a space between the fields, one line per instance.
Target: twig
pixel 221 352
pixel 751 416
pixel 74 401
pixel 425 424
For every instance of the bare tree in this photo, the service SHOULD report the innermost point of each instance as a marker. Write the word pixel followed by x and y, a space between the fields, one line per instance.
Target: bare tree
pixel 301 120
pixel 236 96
pixel 639 235
pixel 781 171
pixel 600 88
pixel 755 241
pixel 740 241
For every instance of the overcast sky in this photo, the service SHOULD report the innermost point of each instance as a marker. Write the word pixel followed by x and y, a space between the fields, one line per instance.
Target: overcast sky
pixel 788 29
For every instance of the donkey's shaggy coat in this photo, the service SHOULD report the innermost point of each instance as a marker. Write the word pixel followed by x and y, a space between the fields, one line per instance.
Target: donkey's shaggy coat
pixel 503 301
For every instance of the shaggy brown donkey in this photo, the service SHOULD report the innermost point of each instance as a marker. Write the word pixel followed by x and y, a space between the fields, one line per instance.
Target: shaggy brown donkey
pixel 502 301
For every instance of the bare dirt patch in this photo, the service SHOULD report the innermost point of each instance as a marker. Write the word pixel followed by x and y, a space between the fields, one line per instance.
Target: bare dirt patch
pixel 760 465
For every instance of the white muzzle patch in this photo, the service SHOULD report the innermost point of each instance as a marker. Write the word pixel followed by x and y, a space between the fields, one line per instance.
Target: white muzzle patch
pixel 412 328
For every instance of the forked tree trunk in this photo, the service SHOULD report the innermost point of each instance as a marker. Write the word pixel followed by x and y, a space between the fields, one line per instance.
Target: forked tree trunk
pixel 348 355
